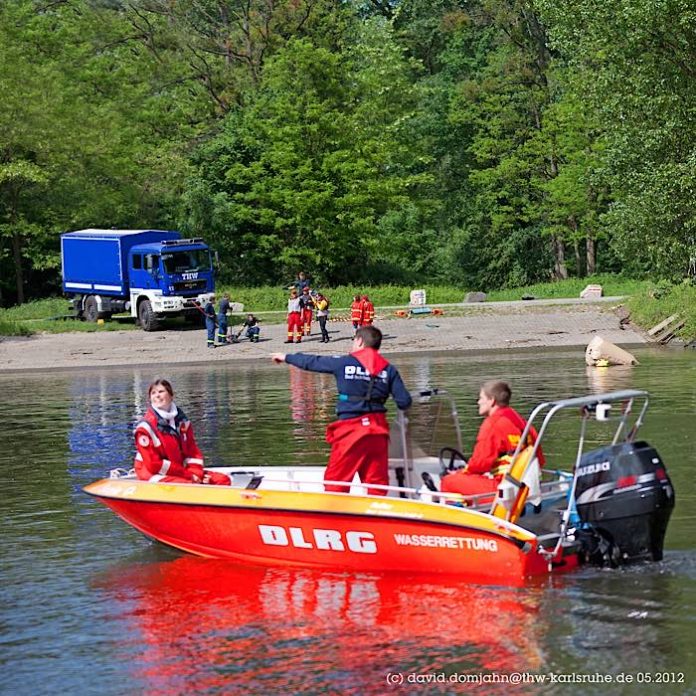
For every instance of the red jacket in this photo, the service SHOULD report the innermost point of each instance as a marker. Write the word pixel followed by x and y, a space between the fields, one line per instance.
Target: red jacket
pixel 368 313
pixel 163 451
pixel 356 311
pixel 497 437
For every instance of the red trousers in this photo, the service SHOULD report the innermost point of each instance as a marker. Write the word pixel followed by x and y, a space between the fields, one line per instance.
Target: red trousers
pixel 307 321
pixel 294 326
pixel 358 445
pixel 470 484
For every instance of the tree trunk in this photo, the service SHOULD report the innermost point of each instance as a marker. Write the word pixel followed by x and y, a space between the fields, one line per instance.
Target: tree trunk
pixel 560 271
pixel 578 258
pixel 19 276
pixel 591 255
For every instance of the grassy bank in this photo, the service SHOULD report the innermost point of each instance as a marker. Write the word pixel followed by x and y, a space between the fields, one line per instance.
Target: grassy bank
pixel 654 304
pixel 48 315
pixel 51 316
pixel 267 299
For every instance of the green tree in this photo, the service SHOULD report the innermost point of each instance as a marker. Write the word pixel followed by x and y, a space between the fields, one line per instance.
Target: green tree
pixel 302 177
pixel 86 137
pixel 634 65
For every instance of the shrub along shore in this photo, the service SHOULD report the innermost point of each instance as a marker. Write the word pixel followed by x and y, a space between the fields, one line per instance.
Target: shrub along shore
pixel 649 303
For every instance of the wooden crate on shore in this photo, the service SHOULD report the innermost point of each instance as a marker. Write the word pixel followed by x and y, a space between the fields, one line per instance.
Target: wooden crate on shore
pixel 666 330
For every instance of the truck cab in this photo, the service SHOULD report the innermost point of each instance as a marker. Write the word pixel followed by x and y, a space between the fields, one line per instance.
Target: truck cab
pixel 168 278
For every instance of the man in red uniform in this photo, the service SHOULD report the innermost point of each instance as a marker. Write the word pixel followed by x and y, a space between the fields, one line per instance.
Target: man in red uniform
pixel 294 318
pixel 359 438
pixel 368 311
pixel 307 305
pixel 166 448
pixel 356 313
pixel 496 442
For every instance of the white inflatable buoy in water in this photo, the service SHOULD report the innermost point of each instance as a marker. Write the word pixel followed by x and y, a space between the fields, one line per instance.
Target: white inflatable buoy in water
pixel 601 353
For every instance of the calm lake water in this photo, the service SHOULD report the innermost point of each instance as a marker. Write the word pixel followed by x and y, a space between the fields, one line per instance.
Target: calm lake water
pixel 87 605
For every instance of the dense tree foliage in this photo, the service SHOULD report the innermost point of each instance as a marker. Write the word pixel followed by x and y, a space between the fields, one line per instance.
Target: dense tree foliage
pixel 489 143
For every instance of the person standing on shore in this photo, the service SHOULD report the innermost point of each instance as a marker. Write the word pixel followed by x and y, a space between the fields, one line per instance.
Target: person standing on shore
pixel 356 313
pixel 359 438
pixel 294 318
pixel 322 305
pixel 209 312
pixel 222 318
pixel 368 311
pixel 301 282
pixel 307 304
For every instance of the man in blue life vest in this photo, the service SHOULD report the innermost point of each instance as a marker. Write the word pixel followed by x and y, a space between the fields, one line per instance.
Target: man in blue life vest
pixel 301 282
pixel 359 438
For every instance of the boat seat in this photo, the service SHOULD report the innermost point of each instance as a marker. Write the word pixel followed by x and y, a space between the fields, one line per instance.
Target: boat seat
pixel 516 486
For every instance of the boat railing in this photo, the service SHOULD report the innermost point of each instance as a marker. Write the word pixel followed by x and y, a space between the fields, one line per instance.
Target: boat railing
pixel 479 502
pixel 597 406
pixel 252 480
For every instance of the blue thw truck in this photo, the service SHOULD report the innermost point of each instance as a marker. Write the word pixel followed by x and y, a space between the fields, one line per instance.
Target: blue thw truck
pixel 153 274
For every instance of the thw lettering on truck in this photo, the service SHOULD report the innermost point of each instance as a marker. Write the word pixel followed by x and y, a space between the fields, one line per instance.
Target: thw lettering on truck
pixel 321 539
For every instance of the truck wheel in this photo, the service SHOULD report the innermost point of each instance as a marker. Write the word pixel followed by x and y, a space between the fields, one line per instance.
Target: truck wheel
pixel 90 312
pixel 148 319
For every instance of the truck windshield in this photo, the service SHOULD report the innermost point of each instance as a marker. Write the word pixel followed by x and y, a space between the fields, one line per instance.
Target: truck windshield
pixel 186 261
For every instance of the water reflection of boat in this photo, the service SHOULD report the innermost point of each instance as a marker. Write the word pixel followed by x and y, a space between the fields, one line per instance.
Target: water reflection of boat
pixel 614 506
pixel 207 624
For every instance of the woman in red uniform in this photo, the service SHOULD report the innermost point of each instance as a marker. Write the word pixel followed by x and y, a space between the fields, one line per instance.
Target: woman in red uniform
pixel 166 448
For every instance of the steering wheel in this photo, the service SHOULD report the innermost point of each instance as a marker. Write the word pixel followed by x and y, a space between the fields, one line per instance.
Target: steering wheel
pixel 452 454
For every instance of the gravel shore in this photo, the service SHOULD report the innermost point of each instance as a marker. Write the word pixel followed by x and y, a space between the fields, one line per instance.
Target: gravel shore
pixel 488 326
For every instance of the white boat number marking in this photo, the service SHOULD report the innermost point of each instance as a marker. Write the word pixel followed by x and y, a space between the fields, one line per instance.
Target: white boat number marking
pixel 449 542
pixel 321 539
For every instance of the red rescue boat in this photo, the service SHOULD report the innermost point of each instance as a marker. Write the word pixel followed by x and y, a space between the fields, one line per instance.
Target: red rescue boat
pixel 282 515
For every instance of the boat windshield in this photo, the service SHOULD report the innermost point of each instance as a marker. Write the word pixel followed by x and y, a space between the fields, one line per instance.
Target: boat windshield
pixel 186 261
pixel 432 424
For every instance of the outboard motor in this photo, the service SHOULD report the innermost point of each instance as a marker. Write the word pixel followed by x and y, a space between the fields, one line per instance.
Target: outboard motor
pixel 624 496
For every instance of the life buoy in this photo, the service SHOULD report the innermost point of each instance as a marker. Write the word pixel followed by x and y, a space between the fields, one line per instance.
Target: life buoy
pixel 437 312
pixel 400 313
pixel 512 491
